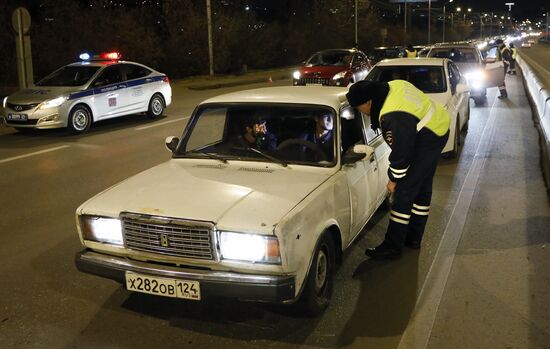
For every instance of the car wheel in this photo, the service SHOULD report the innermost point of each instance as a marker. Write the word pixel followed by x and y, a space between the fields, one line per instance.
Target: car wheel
pixel 454 152
pixel 156 107
pixel 80 119
pixel 320 278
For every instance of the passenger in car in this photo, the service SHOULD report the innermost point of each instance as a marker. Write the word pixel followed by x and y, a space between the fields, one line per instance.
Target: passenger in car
pixel 257 136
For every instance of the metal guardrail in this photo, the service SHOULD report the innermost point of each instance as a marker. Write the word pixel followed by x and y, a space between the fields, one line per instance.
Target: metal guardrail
pixel 540 97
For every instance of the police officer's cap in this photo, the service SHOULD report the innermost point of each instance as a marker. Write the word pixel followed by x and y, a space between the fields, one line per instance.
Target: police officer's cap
pixel 499 42
pixel 362 91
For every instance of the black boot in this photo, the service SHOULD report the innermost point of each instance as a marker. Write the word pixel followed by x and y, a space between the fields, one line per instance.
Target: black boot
pixel 383 251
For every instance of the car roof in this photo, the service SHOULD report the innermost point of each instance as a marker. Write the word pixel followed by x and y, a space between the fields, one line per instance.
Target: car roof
pixel 457 45
pixel 100 63
pixel 412 61
pixel 349 50
pixel 315 95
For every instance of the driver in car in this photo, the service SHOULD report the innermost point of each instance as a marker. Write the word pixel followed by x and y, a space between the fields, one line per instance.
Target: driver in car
pixel 322 134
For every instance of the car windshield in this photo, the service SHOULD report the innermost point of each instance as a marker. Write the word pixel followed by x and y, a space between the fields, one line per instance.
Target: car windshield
pixel 274 133
pixel 391 52
pixel 330 58
pixel 458 55
pixel 69 76
pixel 429 79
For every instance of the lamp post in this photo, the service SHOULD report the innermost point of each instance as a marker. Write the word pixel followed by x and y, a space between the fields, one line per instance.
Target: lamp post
pixel 444 17
pixel 429 21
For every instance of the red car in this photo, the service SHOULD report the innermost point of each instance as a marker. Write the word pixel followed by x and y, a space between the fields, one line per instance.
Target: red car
pixel 333 68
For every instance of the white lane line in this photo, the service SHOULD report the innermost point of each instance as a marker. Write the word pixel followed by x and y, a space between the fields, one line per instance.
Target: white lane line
pixel 418 332
pixel 33 154
pixel 160 124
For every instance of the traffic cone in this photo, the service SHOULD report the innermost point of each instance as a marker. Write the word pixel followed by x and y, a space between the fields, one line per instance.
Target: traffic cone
pixel 270 80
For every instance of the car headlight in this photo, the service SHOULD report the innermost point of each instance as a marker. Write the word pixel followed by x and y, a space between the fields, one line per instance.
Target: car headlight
pixel 4 102
pixel 340 75
pixel 477 75
pixel 296 75
pixel 102 229
pixel 250 248
pixel 52 103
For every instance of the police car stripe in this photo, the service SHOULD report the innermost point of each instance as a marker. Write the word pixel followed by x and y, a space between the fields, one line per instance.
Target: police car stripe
pixel 400 215
pixel 117 86
pixel 420 213
pixel 397 220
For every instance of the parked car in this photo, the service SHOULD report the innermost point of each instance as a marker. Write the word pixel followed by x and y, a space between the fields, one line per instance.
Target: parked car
pixel 441 79
pixel 333 68
pixel 480 73
pixel 229 217
pixel 96 88
pixel 526 44
pixel 381 53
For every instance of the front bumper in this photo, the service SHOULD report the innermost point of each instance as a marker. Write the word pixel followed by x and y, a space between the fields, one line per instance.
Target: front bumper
pixel 250 287
pixel 39 119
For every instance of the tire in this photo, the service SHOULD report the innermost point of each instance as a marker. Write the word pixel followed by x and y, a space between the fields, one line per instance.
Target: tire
pixel 80 119
pixel 319 282
pixel 156 107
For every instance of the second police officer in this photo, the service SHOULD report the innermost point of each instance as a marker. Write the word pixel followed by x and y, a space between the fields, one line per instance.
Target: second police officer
pixel 416 129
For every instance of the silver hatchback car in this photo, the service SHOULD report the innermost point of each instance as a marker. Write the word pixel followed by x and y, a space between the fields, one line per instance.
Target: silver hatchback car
pixel 479 72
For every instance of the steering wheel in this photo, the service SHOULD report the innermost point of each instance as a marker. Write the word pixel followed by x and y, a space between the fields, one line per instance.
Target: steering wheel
pixel 293 142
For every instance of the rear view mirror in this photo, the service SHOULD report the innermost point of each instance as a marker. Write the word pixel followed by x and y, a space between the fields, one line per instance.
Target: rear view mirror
pixel 171 143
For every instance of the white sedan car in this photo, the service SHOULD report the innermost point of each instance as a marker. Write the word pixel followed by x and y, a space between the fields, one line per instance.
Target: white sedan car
pixel 265 190
pixel 441 80
pixel 79 94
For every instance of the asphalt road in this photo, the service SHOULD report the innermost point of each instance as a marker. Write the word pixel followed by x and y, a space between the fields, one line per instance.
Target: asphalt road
pixel 424 298
pixel 537 58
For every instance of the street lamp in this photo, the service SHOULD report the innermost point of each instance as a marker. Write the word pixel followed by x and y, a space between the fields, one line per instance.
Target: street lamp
pixel 444 19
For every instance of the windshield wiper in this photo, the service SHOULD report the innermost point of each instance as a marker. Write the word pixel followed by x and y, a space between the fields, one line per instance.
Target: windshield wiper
pixel 267 156
pixel 210 155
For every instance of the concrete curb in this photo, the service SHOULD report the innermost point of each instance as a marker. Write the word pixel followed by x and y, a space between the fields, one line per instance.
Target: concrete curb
pixel 539 97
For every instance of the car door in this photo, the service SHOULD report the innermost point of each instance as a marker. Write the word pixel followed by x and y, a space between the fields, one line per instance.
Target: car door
pixel 362 176
pixel 382 156
pixel 458 101
pixel 140 87
pixel 109 93
pixel 494 67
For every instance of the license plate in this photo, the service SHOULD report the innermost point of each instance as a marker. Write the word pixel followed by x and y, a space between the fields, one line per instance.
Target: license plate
pixel 185 289
pixel 17 117
pixel 314 84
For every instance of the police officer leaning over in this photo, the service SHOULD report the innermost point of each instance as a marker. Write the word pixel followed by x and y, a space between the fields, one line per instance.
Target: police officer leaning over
pixel 416 129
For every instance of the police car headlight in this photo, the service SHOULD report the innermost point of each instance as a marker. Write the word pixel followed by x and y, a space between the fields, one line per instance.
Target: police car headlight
pixel 4 102
pixel 296 75
pixel 250 248
pixel 101 229
pixel 340 75
pixel 52 103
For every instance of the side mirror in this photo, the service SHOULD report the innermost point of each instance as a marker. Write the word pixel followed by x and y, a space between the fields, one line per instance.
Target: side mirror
pixel 171 143
pixel 462 88
pixel 356 153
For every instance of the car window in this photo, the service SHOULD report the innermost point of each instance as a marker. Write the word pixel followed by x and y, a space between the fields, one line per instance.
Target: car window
pixel 133 71
pixel 457 54
pixel 454 74
pixel 110 75
pixel 352 130
pixel 429 79
pixel 69 76
pixel 371 134
pixel 294 134
pixel 491 52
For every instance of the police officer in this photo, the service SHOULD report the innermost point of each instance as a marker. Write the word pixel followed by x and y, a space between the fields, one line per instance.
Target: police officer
pixel 506 58
pixel 410 51
pixel 416 129
pixel 513 49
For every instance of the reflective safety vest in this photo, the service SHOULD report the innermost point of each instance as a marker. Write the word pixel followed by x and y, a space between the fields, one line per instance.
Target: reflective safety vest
pixel 404 97
pixel 514 53
pixel 410 54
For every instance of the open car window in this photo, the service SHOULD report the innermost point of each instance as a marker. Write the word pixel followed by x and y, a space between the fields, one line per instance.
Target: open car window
pixel 292 134
pixel 429 79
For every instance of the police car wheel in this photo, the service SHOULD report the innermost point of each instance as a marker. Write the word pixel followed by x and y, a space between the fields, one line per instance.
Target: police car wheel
pixel 80 119
pixel 156 107
pixel 319 282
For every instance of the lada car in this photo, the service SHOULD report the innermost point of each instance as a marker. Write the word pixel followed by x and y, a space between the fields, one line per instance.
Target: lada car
pixel 480 73
pixel 79 94
pixel 336 67
pixel 441 80
pixel 254 204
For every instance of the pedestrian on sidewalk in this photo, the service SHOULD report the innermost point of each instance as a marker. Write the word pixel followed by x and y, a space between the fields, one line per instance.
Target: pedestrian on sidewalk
pixel 506 57
pixel 416 129
pixel 513 49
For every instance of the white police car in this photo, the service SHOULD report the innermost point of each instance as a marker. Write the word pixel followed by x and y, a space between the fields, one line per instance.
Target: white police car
pixel 97 88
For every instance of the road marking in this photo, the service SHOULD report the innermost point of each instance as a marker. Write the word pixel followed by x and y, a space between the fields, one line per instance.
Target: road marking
pixel 160 124
pixel 418 332
pixel 33 154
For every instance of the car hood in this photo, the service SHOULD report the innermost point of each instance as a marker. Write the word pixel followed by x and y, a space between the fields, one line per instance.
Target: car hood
pixel 321 71
pixel 38 94
pixel 236 197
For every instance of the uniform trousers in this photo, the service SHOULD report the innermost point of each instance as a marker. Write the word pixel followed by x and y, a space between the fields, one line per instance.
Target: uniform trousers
pixel 413 194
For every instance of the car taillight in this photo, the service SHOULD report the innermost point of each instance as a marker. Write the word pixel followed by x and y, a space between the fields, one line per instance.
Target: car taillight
pixel 166 79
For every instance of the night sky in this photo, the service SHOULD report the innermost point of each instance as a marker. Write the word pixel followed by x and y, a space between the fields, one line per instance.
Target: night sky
pixel 522 8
